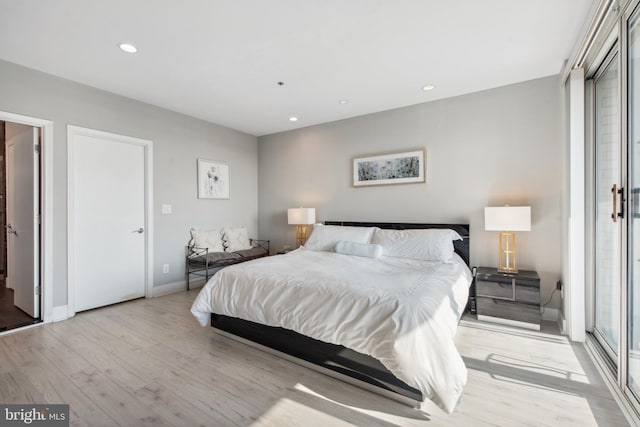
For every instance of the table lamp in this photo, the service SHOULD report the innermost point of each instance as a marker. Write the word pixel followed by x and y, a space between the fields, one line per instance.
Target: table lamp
pixel 506 220
pixel 301 217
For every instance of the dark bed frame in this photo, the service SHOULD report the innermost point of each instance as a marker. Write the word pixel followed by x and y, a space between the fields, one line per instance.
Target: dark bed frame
pixel 335 360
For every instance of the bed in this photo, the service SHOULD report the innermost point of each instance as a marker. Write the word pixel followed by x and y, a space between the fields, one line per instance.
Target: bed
pixel 389 328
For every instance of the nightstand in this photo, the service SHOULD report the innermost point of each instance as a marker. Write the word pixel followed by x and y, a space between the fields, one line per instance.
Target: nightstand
pixel 511 299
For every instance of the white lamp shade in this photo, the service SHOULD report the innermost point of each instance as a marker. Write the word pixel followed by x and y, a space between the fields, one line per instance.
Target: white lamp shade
pixel 507 218
pixel 301 216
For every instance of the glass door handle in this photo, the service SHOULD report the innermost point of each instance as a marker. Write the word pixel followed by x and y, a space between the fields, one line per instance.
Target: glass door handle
pixel 622 200
pixel 615 191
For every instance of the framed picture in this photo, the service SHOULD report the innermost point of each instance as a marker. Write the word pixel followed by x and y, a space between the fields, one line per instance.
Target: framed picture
pixel 398 168
pixel 213 179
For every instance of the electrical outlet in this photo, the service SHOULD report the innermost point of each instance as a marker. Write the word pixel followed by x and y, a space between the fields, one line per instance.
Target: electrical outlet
pixel 165 268
pixel 559 285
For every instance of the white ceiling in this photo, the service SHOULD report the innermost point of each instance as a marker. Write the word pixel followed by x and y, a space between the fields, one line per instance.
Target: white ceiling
pixel 220 60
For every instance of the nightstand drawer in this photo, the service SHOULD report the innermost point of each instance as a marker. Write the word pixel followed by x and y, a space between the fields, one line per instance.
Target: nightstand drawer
pixel 509 289
pixel 502 288
pixel 528 294
pixel 514 291
pixel 508 310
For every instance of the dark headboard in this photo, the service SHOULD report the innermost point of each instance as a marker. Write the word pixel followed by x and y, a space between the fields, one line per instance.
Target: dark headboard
pixel 460 246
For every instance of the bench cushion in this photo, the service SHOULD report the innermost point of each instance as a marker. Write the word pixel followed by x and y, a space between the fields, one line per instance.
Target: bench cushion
pixel 252 253
pixel 216 257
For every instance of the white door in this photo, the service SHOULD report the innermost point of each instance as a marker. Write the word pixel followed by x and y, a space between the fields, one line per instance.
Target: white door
pixel 107 218
pixel 23 207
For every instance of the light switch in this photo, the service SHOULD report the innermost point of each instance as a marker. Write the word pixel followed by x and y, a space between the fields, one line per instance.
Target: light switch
pixel 166 209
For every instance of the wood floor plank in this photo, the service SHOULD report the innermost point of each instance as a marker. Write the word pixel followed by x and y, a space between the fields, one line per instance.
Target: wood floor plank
pixel 56 388
pixel 148 362
pixel 15 387
pixel 121 406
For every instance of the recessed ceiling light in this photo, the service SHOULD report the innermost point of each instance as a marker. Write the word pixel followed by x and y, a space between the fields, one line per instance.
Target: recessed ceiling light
pixel 128 47
pixel 343 101
pixel 293 119
pixel 427 88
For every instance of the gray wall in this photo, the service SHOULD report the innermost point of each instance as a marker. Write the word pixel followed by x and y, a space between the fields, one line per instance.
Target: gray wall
pixel 178 141
pixel 497 147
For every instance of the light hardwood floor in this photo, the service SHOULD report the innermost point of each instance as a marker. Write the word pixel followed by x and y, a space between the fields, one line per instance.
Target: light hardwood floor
pixel 149 363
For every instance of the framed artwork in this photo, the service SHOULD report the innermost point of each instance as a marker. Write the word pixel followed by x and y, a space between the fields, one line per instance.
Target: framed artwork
pixel 398 168
pixel 213 179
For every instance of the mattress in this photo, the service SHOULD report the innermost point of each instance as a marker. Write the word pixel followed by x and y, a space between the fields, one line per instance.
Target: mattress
pixel 400 311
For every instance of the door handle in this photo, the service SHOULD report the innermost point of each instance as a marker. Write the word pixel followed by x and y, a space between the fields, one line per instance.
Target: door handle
pixel 615 191
pixel 139 230
pixel 11 230
pixel 622 200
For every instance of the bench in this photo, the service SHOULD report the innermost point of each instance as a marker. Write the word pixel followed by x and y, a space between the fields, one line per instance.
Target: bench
pixel 199 261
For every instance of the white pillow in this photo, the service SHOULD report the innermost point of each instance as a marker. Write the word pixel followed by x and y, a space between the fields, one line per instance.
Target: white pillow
pixel 325 237
pixel 210 239
pixel 235 239
pixel 359 249
pixel 433 244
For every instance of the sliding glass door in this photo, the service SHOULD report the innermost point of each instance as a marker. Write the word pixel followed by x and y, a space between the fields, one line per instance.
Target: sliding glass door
pixel 607 194
pixel 616 203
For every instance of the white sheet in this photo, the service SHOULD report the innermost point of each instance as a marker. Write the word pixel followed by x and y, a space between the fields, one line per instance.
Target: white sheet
pixel 402 312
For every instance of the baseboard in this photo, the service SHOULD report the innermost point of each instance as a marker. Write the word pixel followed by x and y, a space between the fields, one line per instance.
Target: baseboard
pixel 168 288
pixel 562 323
pixel 173 287
pixel 60 313
pixel 509 322
pixel 550 314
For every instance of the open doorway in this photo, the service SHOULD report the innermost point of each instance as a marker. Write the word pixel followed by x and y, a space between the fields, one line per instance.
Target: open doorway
pixel 20 236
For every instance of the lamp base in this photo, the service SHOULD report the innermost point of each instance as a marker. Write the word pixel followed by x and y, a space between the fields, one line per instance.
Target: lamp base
pixel 507 252
pixel 301 235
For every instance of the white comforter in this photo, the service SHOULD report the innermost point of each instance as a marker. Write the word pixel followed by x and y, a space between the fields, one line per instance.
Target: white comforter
pixel 402 312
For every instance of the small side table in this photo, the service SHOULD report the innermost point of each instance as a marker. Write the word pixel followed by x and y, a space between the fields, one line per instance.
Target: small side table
pixel 512 299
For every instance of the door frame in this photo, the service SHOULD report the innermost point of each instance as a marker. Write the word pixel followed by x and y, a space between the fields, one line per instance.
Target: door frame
pixel 623 379
pixel 73 131
pixel 46 209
